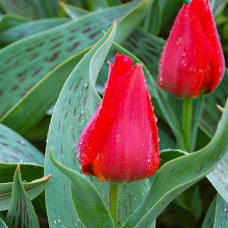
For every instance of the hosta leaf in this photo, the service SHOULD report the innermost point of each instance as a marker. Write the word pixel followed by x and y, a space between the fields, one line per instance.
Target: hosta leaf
pixel 179 174
pixel 88 204
pixel 72 11
pixel 28 29
pixel 14 148
pixel 33 189
pixel 45 51
pixel 221 219
pixel 21 212
pixel 210 216
pixel 9 21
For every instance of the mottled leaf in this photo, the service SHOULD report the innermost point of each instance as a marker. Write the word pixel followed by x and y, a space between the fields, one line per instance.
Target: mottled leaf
pixel 30 28
pixel 9 21
pixel 179 174
pixel 221 218
pixel 21 212
pixel 33 189
pixel 88 204
pixel 14 148
pixel 45 51
pixel 210 216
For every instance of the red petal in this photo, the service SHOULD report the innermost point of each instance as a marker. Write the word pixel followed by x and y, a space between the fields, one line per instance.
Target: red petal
pixel 120 143
pixel 129 151
pixel 204 15
pixel 185 57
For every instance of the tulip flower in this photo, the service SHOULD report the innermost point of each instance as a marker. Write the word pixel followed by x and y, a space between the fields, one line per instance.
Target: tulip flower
pixel 120 142
pixel 192 61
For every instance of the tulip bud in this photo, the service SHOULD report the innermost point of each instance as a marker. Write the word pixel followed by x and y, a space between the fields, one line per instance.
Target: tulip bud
pixel 120 142
pixel 192 61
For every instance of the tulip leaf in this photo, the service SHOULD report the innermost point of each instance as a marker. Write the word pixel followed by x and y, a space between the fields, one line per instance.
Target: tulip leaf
pixel 153 19
pixel 221 219
pixel 113 2
pixel 88 204
pixel 219 178
pixel 210 216
pixel 29 28
pixel 179 174
pixel 21 212
pixel 14 148
pixel 76 113
pixel 9 21
pixel 72 11
pixel 61 44
pixel 2 224
pixel 71 119
pixel 33 189
pixel 96 5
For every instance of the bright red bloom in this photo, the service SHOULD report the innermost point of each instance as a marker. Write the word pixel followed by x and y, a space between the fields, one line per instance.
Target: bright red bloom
pixel 192 61
pixel 120 142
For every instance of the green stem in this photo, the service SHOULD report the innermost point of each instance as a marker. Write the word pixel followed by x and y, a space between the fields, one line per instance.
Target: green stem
pixel 187 124
pixel 61 10
pixel 113 201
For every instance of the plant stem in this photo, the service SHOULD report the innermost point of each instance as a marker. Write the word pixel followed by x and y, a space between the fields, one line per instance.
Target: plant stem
pixel 61 10
pixel 187 124
pixel 113 201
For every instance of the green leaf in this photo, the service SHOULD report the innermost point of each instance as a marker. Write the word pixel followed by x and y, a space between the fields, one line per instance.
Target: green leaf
pixel 210 216
pixel 14 148
pixel 88 204
pixel 21 212
pixel 30 28
pixel 79 101
pixel 33 189
pixel 72 11
pixel 179 174
pixel 45 51
pixel 219 178
pixel 2 224
pixel 113 2
pixel 96 5
pixel 221 219
pixel 9 21
pixel 152 22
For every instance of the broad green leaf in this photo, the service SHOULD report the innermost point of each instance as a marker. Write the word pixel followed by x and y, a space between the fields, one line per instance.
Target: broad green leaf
pixel 211 114
pixel 221 219
pixel 210 216
pixel 219 178
pixel 96 5
pixel 113 2
pixel 24 8
pixel 29 28
pixel 179 174
pixel 72 11
pixel 9 21
pixel 21 212
pixel 33 189
pixel 14 148
pixel 29 172
pixel 2 224
pixel 44 52
pixel 71 120
pixel 88 204
pixel 152 22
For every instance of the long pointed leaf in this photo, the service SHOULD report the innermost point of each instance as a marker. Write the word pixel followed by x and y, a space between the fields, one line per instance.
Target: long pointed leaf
pixel 179 174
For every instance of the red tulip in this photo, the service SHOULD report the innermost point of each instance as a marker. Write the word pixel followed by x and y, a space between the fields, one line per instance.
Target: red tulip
pixel 120 142
pixel 192 61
